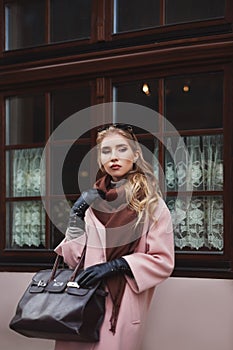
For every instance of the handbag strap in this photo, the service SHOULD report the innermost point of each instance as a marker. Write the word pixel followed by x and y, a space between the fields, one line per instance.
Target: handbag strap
pixel 58 260
pixel 80 264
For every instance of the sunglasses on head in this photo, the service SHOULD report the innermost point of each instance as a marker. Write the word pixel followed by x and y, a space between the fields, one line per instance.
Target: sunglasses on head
pixel 121 126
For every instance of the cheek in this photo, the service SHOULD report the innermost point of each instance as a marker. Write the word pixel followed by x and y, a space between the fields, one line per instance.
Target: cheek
pixel 128 163
pixel 104 159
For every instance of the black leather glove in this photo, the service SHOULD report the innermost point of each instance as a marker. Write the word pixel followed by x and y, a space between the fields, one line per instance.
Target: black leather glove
pixel 95 273
pixel 85 200
pixel 76 224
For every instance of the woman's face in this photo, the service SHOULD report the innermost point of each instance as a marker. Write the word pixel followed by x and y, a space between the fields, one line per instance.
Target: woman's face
pixel 116 156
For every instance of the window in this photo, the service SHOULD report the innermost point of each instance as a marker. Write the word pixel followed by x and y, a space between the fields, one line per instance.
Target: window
pixel 189 11
pixel 134 15
pixel 24 24
pixel 77 18
pixel 163 20
pixel 29 24
pixel 190 164
pixel 34 23
pixel 29 119
pixel 168 57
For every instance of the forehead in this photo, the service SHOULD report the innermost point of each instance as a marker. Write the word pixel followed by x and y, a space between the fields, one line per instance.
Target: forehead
pixel 114 140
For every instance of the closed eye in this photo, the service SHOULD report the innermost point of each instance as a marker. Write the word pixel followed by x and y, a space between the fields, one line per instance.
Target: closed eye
pixel 105 150
pixel 123 149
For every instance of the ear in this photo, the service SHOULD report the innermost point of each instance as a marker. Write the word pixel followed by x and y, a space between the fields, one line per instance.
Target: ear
pixel 136 155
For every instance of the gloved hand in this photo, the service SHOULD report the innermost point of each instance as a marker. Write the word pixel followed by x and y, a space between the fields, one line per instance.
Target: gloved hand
pixel 95 273
pixel 85 200
pixel 79 208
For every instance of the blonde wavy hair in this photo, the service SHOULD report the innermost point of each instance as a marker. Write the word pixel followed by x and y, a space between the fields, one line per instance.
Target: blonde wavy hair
pixel 142 190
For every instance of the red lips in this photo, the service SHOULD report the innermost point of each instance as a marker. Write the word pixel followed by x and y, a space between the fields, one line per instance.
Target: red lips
pixel 115 167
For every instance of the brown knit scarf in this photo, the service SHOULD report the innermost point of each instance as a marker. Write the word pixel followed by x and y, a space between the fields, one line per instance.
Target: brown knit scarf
pixel 114 213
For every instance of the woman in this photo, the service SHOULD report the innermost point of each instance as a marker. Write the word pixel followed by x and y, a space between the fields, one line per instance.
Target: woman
pixel 129 239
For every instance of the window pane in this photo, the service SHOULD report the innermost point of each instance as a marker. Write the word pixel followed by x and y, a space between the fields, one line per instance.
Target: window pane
pixel 25 225
pixel 133 15
pixel 71 172
pixel 141 92
pixel 67 102
pixel 25 119
pixel 194 163
pixel 70 19
pixel 76 178
pixel 193 10
pixel 24 23
pixel 23 172
pixel 59 215
pixel 194 101
pixel 150 150
pixel 198 223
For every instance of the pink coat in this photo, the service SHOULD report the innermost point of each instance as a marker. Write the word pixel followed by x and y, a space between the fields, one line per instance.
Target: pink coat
pixel 151 263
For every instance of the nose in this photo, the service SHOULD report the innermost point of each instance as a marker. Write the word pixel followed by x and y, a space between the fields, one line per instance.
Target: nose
pixel 114 155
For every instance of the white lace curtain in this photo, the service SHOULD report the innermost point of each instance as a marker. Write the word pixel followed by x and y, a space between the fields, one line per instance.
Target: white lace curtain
pixel 196 164
pixel 198 224
pixel 28 224
pixel 28 217
pixel 26 172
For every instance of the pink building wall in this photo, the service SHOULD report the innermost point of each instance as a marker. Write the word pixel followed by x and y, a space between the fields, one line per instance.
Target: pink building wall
pixel 186 314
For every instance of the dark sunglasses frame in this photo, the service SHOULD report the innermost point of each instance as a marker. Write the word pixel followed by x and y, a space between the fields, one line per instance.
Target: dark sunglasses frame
pixel 121 126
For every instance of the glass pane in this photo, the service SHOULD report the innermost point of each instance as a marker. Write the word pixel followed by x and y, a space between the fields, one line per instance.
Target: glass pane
pixel 140 92
pixel 194 163
pixel 194 101
pixel 75 17
pixel 24 23
pixel 150 150
pixel 67 102
pixel 198 224
pixel 23 172
pixel 193 10
pixel 25 225
pixel 72 174
pixel 25 119
pixel 59 215
pixel 133 15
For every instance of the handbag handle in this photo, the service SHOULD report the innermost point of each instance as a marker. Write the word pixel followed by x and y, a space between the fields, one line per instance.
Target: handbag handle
pixel 75 272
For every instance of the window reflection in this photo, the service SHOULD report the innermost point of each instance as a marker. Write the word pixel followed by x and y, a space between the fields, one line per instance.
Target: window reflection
pixel 139 92
pixel 193 10
pixel 75 17
pixel 25 119
pixel 135 15
pixel 66 102
pixel 195 101
pixel 24 24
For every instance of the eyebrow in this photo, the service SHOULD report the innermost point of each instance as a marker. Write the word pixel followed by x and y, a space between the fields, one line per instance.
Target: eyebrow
pixel 119 145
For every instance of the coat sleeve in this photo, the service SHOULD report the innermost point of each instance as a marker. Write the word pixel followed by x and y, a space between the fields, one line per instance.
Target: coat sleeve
pixel 71 250
pixel 156 264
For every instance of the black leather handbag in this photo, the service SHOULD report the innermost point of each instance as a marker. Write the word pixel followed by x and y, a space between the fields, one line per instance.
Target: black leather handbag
pixel 54 306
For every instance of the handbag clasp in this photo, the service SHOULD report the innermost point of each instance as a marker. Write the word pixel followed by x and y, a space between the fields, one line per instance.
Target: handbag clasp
pixel 41 283
pixel 73 284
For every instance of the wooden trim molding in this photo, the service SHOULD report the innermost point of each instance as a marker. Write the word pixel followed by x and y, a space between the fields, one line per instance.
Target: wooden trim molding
pixel 112 62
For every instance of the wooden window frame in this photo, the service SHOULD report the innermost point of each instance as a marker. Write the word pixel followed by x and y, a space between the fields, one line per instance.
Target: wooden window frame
pixel 166 32
pixel 205 264
pixel 102 36
pixel 44 68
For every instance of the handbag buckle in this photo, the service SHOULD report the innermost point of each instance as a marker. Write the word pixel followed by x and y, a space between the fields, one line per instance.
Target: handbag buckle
pixel 73 284
pixel 41 283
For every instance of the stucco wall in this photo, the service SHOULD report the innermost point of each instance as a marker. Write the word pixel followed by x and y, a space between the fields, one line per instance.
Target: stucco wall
pixel 186 314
